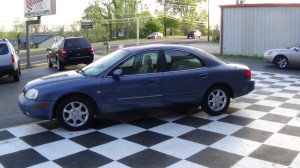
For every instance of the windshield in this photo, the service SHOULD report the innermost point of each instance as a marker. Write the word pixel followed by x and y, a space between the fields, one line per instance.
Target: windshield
pixel 99 66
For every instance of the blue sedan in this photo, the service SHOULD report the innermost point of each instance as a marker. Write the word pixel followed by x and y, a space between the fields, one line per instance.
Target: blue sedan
pixel 137 78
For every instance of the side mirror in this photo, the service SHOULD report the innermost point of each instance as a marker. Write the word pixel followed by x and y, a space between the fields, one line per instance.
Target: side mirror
pixel 118 73
pixel 48 49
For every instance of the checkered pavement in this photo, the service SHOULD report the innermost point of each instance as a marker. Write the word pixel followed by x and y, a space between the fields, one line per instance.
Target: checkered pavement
pixel 261 129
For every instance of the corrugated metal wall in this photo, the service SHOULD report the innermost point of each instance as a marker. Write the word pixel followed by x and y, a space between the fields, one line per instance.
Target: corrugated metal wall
pixel 251 31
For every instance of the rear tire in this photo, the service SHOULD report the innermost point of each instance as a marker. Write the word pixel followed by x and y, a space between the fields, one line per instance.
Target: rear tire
pixel 50 65
pixel 16 75
pixel 75 113
pixel 59 65
pixel 216 100
pixel 281 62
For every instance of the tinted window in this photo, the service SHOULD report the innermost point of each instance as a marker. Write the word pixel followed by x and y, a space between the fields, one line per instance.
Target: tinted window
pixel 179 60
pixel 76 43
pixel 3 49
pixel 141 63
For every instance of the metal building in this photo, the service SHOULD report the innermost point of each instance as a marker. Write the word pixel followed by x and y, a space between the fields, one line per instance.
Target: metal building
pixel 251 29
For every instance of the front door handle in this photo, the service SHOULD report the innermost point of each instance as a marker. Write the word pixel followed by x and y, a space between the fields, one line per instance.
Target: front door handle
pixel 203 76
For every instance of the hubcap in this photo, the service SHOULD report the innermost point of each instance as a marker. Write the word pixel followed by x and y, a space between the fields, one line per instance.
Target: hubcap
pixel 282 62
pixel 217 100
pixel 75 114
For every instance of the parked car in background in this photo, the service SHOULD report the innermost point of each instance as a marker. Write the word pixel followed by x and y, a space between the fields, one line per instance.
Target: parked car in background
pixel 70 51
pixel 9 61
pixel 155 35
pixel 193 34
pixel 136 79
pixel 283 57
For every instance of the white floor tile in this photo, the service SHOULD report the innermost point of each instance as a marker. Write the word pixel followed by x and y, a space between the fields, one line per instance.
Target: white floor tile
pixel 179 148
pixel 12 145
pixel 26 130
pixel 284 141
pixel 172 129
pixel 256 163
pixel 122 130
pixel 118 149
pixel 185 164
pixel 236 145
pixel 266 125
pixel 249 113
pixel 59 149
pixel 221 127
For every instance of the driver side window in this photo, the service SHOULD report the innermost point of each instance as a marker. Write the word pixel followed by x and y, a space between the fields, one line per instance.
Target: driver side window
pixel 141 63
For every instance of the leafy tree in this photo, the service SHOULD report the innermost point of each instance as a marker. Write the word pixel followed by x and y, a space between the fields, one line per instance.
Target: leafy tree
pixel 151 26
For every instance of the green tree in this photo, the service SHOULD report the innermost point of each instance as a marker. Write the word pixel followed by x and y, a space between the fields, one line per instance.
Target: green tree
pixel 151 26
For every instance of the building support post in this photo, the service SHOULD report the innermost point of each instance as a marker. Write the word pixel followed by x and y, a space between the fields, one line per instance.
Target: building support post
pixel 27 38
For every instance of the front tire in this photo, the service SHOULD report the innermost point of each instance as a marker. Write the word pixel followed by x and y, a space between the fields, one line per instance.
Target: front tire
pixel 216 100
pixel 281 62
pixel 75 113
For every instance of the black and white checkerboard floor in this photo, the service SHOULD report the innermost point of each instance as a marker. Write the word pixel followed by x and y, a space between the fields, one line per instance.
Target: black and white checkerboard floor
pixel 261 129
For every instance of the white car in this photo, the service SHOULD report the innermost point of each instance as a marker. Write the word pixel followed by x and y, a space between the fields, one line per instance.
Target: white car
pixel 283 57
pixel 155 35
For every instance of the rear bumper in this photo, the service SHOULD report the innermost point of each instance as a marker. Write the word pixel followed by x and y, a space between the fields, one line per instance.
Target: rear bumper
pixel 77 60
pixel 6 70
pixel 243 88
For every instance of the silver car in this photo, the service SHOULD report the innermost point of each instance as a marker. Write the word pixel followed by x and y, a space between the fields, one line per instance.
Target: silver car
pixel 283 57
pixel 9 61
pixel 155 35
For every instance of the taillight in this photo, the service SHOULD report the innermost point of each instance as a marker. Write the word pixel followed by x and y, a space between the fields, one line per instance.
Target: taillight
pixel 248 73
pixel 63 53
pixel 92 50
pixel 13 58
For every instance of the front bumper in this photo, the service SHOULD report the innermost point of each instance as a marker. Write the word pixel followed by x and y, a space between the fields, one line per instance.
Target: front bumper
pixel 36 109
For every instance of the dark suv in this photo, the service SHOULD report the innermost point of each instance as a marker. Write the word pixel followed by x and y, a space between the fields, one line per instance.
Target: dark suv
pixel 9 60
pixel 70 51
pixel 193 34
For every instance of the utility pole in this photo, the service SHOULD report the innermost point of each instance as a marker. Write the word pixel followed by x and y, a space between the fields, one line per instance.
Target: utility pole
pixel 208 26
pixel 165 24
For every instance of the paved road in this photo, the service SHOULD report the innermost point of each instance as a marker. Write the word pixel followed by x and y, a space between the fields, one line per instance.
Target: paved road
pixel 40 56
pixel 10 115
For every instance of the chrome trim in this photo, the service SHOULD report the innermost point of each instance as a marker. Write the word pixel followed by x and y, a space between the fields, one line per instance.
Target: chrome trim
pixel 129 98
pixel 181 93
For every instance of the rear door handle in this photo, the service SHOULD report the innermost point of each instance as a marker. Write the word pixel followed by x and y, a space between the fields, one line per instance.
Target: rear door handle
pixel 153 81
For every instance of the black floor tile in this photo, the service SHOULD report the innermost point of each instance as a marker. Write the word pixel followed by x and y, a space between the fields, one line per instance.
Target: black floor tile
pixel 104 123
pixel 41 138
pixel 260 108
pixel 246 100
pixel 83 159
pixel 5 135
pixel 214 158
pixel 290 106
pixel 290 130
pixel 24 158
pixel 192 121
pixel 274 154
pixel 53 124
pixel 93 139
pixel 275 98
pixel 148 138
pixel 253 134
pixel 149 159
pixel 236 120
pixel 202 137
pixel 263 93
pixel 147 122
pixel 276 118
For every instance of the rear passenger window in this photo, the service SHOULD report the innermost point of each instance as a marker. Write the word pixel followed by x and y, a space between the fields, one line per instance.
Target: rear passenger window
pixel 3 49
pixel 180 60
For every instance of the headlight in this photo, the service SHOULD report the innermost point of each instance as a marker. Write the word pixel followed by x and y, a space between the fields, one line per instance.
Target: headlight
pixel 32 94
pixel 269 52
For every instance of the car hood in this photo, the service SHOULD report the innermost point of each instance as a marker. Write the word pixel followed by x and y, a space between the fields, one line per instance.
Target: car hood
pixel 280 50
pixel 55 79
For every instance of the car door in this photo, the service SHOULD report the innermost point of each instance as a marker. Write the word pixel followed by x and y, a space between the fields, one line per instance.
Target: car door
pixel 184 77
pixel 139 86
pixel 52 53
